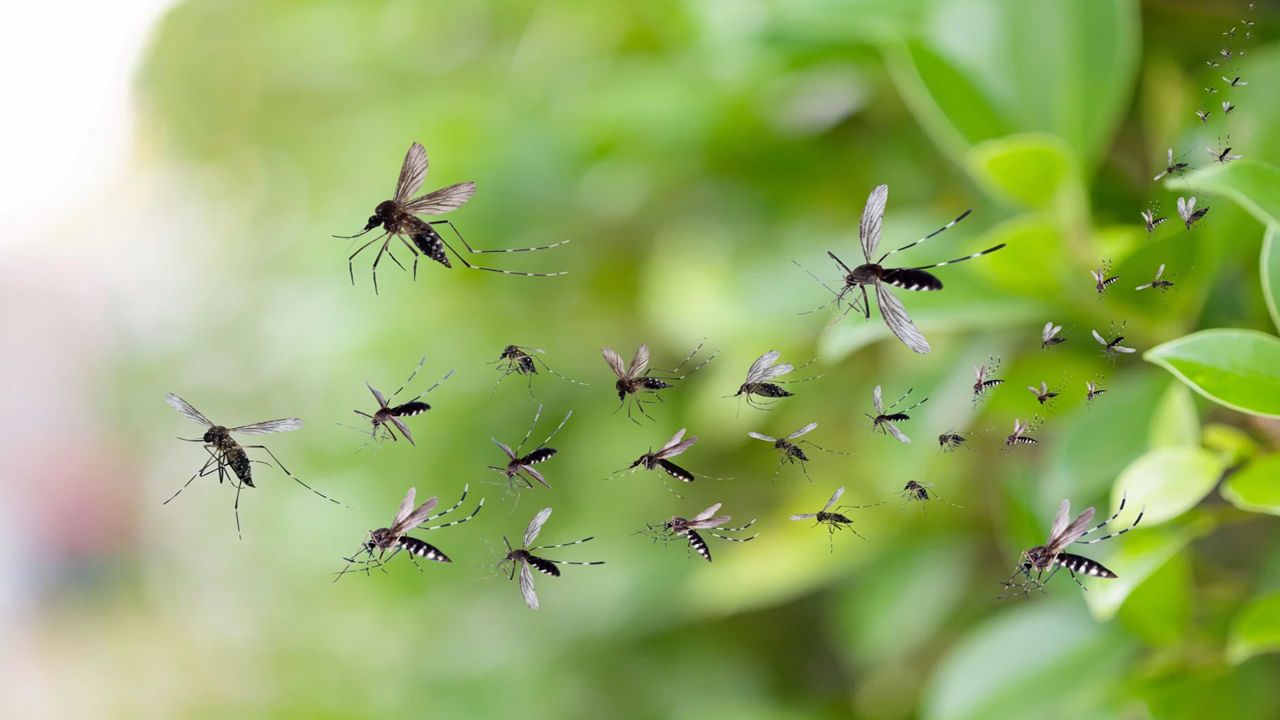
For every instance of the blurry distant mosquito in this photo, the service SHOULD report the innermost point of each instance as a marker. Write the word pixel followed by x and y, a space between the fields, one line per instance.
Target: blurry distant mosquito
pixel 919 492
pixel 388 415
pixel 1230 33
pixel 760 380
pixel 393 539
pixel 1225 52
pixel 1111 347
pixel 1212 63
pixel 1173 168
pixel 872 272
pixel 635 378
pixel 520 467
pixel 1162 285
pixel 791 451
pixel 1095 390
pixel 952 439
pixel 1049 557
pixel 516 360
pixel 1203 115
pixel 1020 430
pixel 225 453
pixel 1149 216
pixel 1187 211
pixel 982 377
pixel 1049 336
pixel 1227 107
pixel 1211 90
pixel 884 422
pixel 1102 277
pixel 398 219
pixel 653 460
pixel 1223 156
pixel 833 520
pixel 522 558
pixel 1044 393
pixel 705 520
pixel 1234 82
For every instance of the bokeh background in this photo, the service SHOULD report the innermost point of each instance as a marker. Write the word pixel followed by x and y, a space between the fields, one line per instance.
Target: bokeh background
pixel 690 150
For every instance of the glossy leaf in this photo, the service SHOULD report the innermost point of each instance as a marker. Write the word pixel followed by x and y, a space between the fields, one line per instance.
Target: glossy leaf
pixel 1167 482
pixel 1256 486
pixel 1234 368
pixel 1256 629
pixel 1027 169
pixel 1269 269
pixel 1136 557
pixel 1175 423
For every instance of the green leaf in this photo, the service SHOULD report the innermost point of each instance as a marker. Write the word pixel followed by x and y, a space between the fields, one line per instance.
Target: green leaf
pixel 1168 481
pixel 1175 423
pixel 1256 487
pixel 1141 554
pixel 1234 368
pixel 1269 269
pixel 1027 169
pixel 1254 185
pixel 1233 444
pixel 1159 609
pixel 1256 629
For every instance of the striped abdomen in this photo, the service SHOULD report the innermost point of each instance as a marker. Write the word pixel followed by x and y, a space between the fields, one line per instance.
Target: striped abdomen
pixel 422 549
pixel 909 279
pixel 428 241
pixel 537 456
pixel 697 543
pixel 763 390
pixel 1020 439
pixel 546 567
pixel 675 471
pixel 1082 565
pixel 410 408
pixel 238 459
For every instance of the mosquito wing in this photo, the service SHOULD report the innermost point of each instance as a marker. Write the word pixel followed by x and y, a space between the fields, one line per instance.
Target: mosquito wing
pixel 1159 271
pixel 834 497
pixel 877 401
pixel 406 507
pixel 417 517
pixel 765 438
pixel 1098 337
pixel 526 586
pixel 535 527
pixel 805 516
pixel 872 217
pixel 803 430
pixel 185 408
pixel 442 200
pixel 510 453
pixel 615 361
pixel 382 402
pixel 895 316
pixel 1059 520
pixel 756 373
pixel 894 431
pixel 412 173
pixel 640 362
pixel 269 426
pixel 1072 531
pixel 706 513
pixel 675 445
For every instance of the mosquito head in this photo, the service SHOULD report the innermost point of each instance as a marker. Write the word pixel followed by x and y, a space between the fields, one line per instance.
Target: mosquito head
pixel 216 435
pixel 509 352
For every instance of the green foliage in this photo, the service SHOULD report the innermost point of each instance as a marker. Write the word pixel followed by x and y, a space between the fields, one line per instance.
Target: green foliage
pixel 1234 368
pixel 1256 629
pixel 1256 486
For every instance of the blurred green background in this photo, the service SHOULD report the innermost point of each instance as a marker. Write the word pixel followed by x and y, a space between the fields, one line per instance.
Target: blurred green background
pixel 691 150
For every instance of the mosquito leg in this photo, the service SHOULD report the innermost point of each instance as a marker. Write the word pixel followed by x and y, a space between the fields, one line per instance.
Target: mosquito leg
pixel 469 266
pixel 350 265
pixel 478 252
pixel 295 478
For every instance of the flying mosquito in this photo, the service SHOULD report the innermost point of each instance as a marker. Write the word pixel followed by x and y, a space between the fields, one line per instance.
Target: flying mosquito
pixel 388 415
pixel 1211 90
pixel 1212 63
pixel 1187 211
pixel 1162 285
pixel 398 219
pixel 1234 82
pixel 884 422
pixel 1173 168
pixel 1227 107
pixel 873 273
pixel 1020 430
pixel 982 377
pixel 915 491
pixel 393 539
pixel 1050 558
pixel 1095 389
pixel 520 467
pixel 517 360
pixel 1049 336
pixel 1102 277
pixel 1203 115
pixel 653 460
pixel 791 451
pixel 705 520
pixel 225 453
pixel 762 380
pixel 522 558
pixel 636 378
pixel 1225 52
pixel 834 520
pixel 1111 347
pixel 952 439
pixel 1149 217
pixel 1223 156
pixel 1044 393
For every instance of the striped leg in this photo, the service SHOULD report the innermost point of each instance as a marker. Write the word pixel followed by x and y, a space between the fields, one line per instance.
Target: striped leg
pixel 295 479
pixel 1104 523
pixel 489 269
pixel 548 547
pixel 960 259
pixel 939 231
pixel 454 522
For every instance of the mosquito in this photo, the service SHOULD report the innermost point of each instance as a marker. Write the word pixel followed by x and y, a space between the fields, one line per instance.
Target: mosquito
pixel 1162 285
pixel 705 520
pixel 1203 115
pixel 653 460
pixel 834 520
pixel 398 219
pixel 636 378
pixel 1102 277
pixel 1044 393
pixel 388 415
pixel 1225 52
pixel 1234 82
pixel 225 453
pixel 1173 168
pixel 918 491
pixel 1095 390
pixel 1212 63
pixel 884 422
pixel 1050 558
pixel 1187 211
pixel 952 439
pixel 761 377
pixel 1049 336
pixel 1111 347
pixel 1211 90
pixel 873 273
pixel 393 539
pixel 1227 107
pixel 791 451
pixel 1152 222
pixel 517 360
pixel 1020 430
pixel 982 377
pixel 524 559
pixel 520 467
pixel 1223 156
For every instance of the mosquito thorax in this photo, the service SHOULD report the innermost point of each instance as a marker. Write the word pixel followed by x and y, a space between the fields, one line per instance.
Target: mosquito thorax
pixel 1038 556
pixel 381 538
pixel 216 435
pixel 864 274
pixel 832 517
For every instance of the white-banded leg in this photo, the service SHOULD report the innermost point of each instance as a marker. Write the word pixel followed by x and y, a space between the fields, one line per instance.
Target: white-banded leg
pixel 559 545
pixel 295 478
pixel 453 522
pixel 553 372
pixel 935 233
pixel 1106 522
pixel 474 251
pixel 962 259
pixel 351 260
pixel 405 384
pixel 836 297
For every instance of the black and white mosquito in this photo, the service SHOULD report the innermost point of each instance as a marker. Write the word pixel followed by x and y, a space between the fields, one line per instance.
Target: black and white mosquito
pixel 1094 389
pixel 1211 90
pixel 885 418
pixel 688 527
pixel 1225 52
pixel 398 219
pixel 517 360
pixel 918 491
pixel 1234 82
pixel 393 539
pixel 1227 107
pixel 1050 558
pixel 1102 277
pixel 1212 63
pixel 791 451
pixel 225 453
pixel 1019 435
pixel 952 439
pixel 522 558
pixel 1157 283
pixel 1173 168
pixel 1203 115
pixel 388 415
pixel 872 272
pixel 1110 348
pixel 520 467
pixel 1045 394
pixel 983 380
pixel 1224 155
pixel 1188 212
pixel 834 520
pixel 762 381
pixel 636 378
pixel 1150 219
pixel 1049 335
pixel 654 460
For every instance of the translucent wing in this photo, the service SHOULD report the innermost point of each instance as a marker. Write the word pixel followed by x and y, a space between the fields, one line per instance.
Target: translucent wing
pixel 675 445
pixel 765 438
pixel 640 362
pixel 877 401
pixel 1059 520
pixel 1072 531
pixel 803 430
pixel 758 368
pixel 510 453
pixel 526 586
pixel 615 362
pixel 895 316
pixel 1123 349
pixel 872 216
pixel 442 200
pixel 834 497
pixel 1159 271
pixel 382 402
pixel 416 517
pixel 707 513
pixel 805 516
pixel 894 431
pixel 1098 337
pixel 269 426
pixel 535 527
pixel 406 506
pixel 185 408
pixel 412 173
